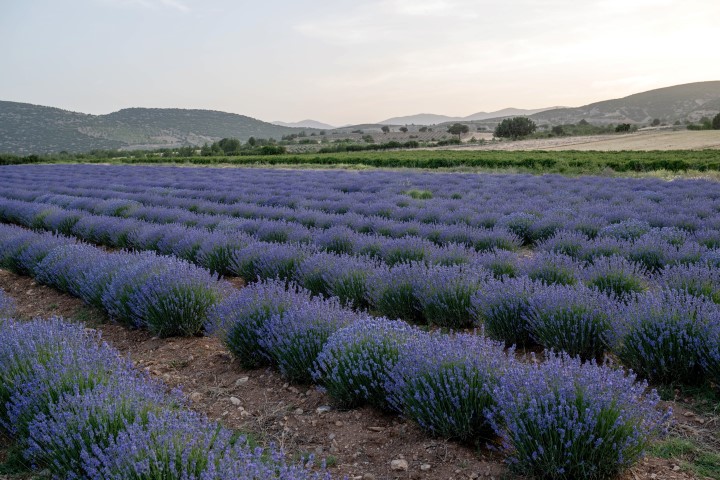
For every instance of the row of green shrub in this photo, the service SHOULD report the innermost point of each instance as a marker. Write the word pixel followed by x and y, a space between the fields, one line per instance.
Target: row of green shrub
pixel 567 162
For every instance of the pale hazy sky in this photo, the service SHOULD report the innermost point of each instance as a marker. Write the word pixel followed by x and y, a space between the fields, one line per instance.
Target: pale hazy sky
pixel 345 61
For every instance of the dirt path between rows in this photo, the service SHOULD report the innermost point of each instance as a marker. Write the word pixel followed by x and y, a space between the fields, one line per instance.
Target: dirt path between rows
pixel 359 444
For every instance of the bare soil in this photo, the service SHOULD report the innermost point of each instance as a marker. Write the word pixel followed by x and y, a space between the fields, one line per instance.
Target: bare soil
pixel 358 444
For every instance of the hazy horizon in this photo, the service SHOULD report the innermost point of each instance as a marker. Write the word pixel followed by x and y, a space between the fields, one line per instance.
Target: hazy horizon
pixel 348 62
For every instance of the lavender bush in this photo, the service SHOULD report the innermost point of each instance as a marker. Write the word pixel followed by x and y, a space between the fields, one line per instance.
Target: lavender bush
pixel 294 338
pixel 444 294
pixel 615 276
pixel 552 268
pixel 176 300
pixel 80 411
pixel 564 419
pixel 710 350
pixel 118 296
pixel 501 263
pixel 698 279
pixel 501 307
pixel 7 305
pixel 355 363
pixel 445 383
pixel 64 437
pixel 659 335
pixel 42 360
pixel 392 291
pixel 574 319
pixel 238 319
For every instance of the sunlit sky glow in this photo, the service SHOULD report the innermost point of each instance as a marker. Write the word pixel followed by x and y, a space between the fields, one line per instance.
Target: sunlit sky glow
pixel 344 61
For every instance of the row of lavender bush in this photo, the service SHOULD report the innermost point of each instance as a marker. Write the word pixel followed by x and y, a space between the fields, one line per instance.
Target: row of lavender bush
pixel 632 237
pixel 303 335
pixel 557 418
pixel 166 295
pixel 668 334
pixel 478 200
pixel 566 259
pixel 79 410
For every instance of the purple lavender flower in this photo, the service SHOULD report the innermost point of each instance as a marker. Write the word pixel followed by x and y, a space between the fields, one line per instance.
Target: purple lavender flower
pixel 355 363
pixel 631 229
pixel 615 276
pixel 552 268
pixel 176 299
pixel 659 335
pixel 237 320
pixel 294 338
pixel 573 319
pixel 565 242
pixel 698 279
pixel 521 224
pixel 392 291
pixel 501 306
pixel 80 421
pixel 406 249
pixel 444 293
pixel 564 419
pixel 266 260
pixel 501 263
pixel 445 382
pixel 42 360
pixel 7 305
pixel 125 283
pixel 216 251
pixel 710 349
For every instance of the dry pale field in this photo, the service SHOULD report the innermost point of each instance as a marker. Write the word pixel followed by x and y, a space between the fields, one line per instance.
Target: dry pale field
pixel 642 140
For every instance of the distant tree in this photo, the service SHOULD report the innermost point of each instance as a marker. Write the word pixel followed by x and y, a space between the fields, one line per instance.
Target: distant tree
pixel 251 141
pixel 205 150
pixel 404 129
pixel 385 129
pixel 423 129
pixel 368 139
pixel 558 130
pixel 677 122
pixel 515 127
pixel 716 122
pixel 655 122
pixel 458 129
pixel 583 122
pixel 623 127
pixel 229 146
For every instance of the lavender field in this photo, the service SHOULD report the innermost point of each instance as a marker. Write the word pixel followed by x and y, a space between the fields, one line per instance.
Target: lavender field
pixel 533 313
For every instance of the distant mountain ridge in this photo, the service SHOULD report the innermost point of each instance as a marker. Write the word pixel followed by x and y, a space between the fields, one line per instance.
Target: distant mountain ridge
pixel 434 119
pixel 26 128
pixel 690 101
pixel 307 123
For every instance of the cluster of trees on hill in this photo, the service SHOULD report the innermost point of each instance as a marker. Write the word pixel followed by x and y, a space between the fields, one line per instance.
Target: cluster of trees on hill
pixel 706 124
pixel 233 146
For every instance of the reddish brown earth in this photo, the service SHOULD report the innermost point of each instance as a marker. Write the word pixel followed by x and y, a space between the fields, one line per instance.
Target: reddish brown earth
pixel 359 443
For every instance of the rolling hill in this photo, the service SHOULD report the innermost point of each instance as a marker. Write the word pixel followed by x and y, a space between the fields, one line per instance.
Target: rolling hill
pixel 26 128
pixel 308 123
pixel 433 119
pixel 690 101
